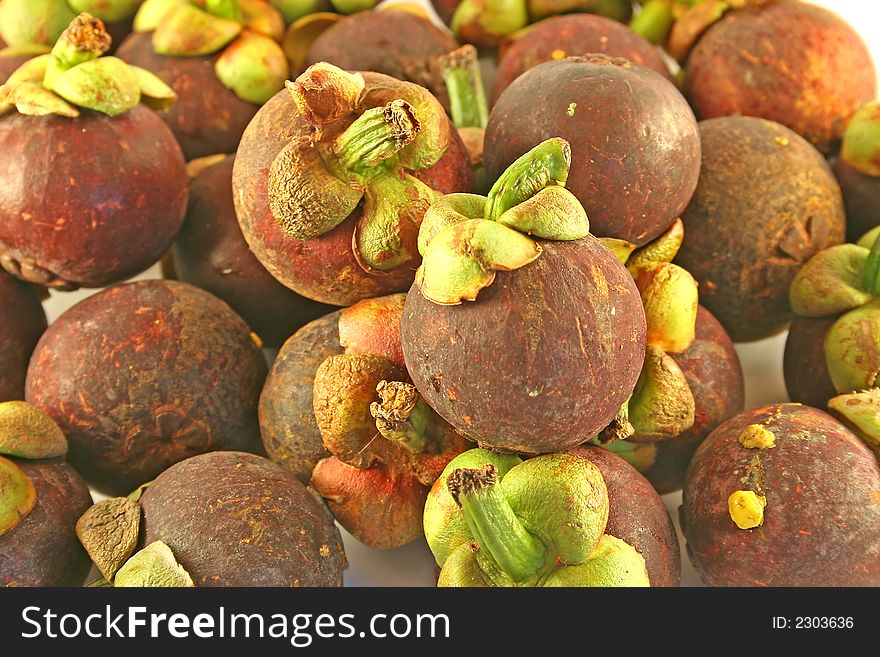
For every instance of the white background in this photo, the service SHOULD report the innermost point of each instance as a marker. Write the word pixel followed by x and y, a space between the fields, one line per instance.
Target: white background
pixel 762 363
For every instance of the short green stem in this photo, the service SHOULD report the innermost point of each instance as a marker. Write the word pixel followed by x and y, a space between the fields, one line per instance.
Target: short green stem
pixel 401 415
pixel 654 21
pixel 464 84
pixel 871 274
pixel 493 523
pixel 546 164
pixel 375 136
pixel 228 9
pixel 84 39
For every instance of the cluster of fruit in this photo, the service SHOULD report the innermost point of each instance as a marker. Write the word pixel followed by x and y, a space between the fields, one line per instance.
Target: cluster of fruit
pixel 504 325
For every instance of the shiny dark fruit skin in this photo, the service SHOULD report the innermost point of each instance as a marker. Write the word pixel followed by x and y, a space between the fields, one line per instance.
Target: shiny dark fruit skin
pixel 287 419
pixel 632 187
pixel 766 202
pixel 574 34
pixel 88 201
pixel 638 516
pixel 822 519
pixel 713 372
pixel 42 549
pixel 860 194
pixel 211 253
pixel 22 322
pixel 10 63
pixel 146 374
pixel 235 519
pixel 806 372
pixel 538 362
pixel 207 118
pixel 790 62
pixel 324 268
pixel 395 43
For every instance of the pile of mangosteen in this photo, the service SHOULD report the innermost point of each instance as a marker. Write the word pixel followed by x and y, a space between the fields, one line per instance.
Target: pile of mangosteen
pixel 465 277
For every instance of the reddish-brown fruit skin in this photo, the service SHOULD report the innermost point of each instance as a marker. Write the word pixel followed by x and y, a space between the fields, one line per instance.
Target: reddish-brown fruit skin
pixel 235 519
pixel 372 326
pixel 88 201
pixel 638 516
pixel 766 202
pixel 632 186
pixel 379 508
pixel 395 43
pixel 324 268
pixel 22 322
pixel 790 62
pixel 9 63
pixel 42 549
pixel 860 194
pixel 538 362
pixel 207 118
pixel 445 9
pixel 806 371
pixel 287 419
pixel 143 375
pixel 714 375
pixel 211 253
pixel 822 519
pixel 575 34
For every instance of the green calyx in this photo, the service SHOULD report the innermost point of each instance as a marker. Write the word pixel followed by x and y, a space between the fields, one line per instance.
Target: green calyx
pixel 353 6
pixel 154 566
pixel 487 22
pixel 861 411
pixel 464 83
pixel 465 239
pixel 495 520
pixel 17 495
pixel 314 189
pixel 75 75
pixel 25 22
pixel 254 67
pixel 831 282
pixel 852 349
pixel 861 140
pixel 245 33
pixel 654 22
pixel 291 10
pixel 26 432
pixel 662 405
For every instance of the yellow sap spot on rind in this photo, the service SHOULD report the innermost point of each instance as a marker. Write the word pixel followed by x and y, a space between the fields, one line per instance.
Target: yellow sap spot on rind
pixel 558 54
pixel 571 108
pixel 756 436
pixel 746 509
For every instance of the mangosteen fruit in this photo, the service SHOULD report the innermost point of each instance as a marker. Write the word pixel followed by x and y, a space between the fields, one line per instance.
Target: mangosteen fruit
pixel 142 375
pixel 496 520
pixel 575 34
pixel 637 515
pixel 92 184
pixel 41 497
pixel 553 345
pixel 766 202
pixel 635 142
pixel 836 347
pixel 691 380
pixel 333 177
pixel 790 62
pixel 763 503
pixel 858 171
pixel 218 519
pixel 394 42
pixel 223 59
pixel 211 253
pixel 22 322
